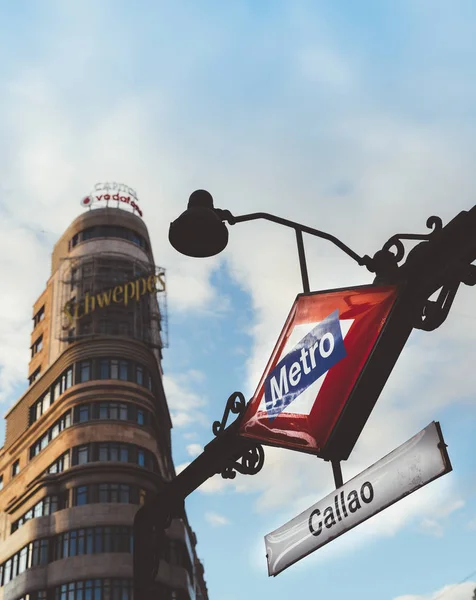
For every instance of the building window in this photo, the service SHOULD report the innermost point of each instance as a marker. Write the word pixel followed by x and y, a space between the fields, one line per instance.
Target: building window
pixel 95 540
pixel 93 589
pixel 83 413
pixel 84 371
pixel 64 382
pixel 59 465
pixel 81 495
pixel 40 406
pixel 62 423
pixel 39 550
pixel 68 381
pixel 56 390
pixel 104 369
pixel 176 553
pixel 123 370
pixel 104 451
pixel 40 315
pixel 114 372
pixel 16 468
pixel 7 572
pixel 108 493
pixel 139 375
pixel 105 231
pixel 114 492
pixel 110 451
pixel 122 411
pixel 113 368
pixel 74 277
pixel 81 455
pixel 114 452
pixel 37 346
pixel 34 376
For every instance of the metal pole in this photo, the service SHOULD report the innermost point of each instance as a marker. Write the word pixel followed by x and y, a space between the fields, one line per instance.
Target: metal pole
pixel 302 262
pixel 337 470
pixel 151 520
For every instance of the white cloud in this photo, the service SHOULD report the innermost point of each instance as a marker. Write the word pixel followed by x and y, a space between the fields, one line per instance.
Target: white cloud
pixel 434 524
pixel 461 591
pixel 432 527
pixel 215 484
pixel 179 468
pixel 194 449
pixel 216 520
pixel 185 405
pixel 196 375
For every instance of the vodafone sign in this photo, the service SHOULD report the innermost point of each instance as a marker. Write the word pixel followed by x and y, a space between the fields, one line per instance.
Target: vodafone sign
pixel 116 192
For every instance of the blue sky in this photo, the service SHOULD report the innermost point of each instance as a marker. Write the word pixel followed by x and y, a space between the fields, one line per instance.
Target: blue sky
pixel 357 118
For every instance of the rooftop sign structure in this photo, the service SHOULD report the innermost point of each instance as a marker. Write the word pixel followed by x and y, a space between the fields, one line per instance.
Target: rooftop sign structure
pixel 315 366
pixel 120 193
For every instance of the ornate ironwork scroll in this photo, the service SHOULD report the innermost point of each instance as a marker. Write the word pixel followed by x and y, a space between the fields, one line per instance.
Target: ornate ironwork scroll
pixel 236 404
pixel 249 463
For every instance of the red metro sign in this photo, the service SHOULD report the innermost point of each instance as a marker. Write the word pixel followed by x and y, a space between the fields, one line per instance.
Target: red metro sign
pixel 313 373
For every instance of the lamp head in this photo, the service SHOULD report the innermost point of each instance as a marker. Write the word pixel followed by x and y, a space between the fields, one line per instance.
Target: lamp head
pixel 199 232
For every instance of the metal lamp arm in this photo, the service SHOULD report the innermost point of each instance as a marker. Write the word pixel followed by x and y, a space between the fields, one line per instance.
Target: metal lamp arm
pixel 226 215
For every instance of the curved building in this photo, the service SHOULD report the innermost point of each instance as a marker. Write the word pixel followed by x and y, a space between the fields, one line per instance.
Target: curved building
pixel 90 439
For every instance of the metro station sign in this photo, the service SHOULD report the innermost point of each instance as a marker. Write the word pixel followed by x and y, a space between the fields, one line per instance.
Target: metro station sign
pixel 314 370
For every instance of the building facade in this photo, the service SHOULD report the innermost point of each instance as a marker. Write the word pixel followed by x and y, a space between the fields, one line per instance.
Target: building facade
pixel 89 440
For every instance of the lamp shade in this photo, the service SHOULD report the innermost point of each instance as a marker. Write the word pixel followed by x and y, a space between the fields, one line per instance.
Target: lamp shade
pixel 199 232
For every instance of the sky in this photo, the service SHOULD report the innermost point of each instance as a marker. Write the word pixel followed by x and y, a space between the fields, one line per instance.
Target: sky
pixel 356 118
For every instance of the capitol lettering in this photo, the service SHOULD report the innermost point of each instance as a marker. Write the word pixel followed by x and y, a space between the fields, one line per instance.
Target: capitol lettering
pixel 120 187
pixel 341 509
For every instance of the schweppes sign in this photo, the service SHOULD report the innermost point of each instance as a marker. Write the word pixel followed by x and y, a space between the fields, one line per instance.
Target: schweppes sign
pixel 131 291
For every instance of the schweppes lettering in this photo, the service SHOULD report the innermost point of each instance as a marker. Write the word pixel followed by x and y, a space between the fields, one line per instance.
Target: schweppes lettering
pixel 126 293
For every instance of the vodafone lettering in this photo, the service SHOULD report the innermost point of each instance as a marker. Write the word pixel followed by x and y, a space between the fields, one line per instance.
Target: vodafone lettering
pixel 130 198
pixel 125 199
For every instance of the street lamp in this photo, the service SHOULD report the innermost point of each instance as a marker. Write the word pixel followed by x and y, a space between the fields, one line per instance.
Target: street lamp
pixel 439 263
pixel 200 232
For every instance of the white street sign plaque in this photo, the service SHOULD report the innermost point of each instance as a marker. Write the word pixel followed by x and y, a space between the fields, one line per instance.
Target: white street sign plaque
pixel 411 466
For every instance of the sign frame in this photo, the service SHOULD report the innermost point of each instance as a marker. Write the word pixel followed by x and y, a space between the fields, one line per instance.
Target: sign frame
pixel 368 383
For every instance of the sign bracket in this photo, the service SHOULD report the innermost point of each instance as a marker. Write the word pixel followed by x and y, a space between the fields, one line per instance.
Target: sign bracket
pixel 336 466
pixel 337 471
